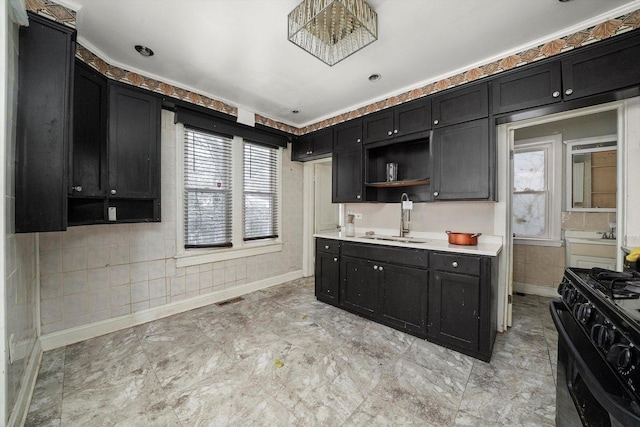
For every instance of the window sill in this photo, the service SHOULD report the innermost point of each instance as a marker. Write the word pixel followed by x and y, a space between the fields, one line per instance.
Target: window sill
pixel 534 242
pixel 197 257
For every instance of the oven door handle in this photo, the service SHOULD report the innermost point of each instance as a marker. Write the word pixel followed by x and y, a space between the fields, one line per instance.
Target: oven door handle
pixel 609 402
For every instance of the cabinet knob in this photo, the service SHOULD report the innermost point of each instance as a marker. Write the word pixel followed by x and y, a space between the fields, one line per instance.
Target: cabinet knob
pixel 436 194
pixel 359 140
pixel 380 268
pixel 358 197
pixel 390 133
pixel 568 91
pixel 335 259
pixel 375 267
pixel 455 264
pixel 113 191
pixel 435 122
pixel 326 246
pixel 395 131
pixel 77 188
pixel 556 94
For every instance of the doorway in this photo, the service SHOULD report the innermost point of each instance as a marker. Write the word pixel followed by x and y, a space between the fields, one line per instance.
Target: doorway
pixel 522 136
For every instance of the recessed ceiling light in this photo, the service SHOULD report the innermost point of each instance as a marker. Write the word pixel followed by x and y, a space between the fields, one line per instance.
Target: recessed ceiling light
pixel 295 111
pixel 374 77
pixel 144 51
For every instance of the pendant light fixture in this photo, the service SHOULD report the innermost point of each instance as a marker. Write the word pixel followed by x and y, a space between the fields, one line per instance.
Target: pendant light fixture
pixel 331 30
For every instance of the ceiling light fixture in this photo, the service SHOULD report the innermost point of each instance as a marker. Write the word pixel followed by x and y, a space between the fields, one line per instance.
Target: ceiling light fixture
pixel 331 30
pixel 144 51
pixel 374 77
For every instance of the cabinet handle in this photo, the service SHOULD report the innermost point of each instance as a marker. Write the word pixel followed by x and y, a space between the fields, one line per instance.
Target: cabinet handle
pixel 455 264
pixel 390 133
pixel 555 94
pixel 77 188
pixel 568 91
pixel 358 197
pixel 326 246
pixel 395 131
pixel 436 194
pixel 375 267
pixel 435 122
pixel 113 191
pixel 335 259
pixel 359 140
pixel 380 268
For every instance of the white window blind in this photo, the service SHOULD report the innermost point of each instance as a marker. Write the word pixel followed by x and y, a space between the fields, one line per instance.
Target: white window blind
pixel 207 189
pixel 260 206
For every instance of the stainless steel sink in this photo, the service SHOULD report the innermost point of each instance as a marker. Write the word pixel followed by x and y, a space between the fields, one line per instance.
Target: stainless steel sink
pixel 405 239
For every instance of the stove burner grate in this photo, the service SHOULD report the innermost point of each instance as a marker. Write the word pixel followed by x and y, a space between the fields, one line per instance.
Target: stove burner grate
pixel 615 284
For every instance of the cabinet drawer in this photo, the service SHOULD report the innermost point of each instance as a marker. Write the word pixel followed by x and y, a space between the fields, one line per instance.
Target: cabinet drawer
pixel 456 263
pixel 328 245
pixel 388 254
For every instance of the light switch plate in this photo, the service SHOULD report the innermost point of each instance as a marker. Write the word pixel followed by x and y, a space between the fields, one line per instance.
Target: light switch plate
pixel 357 216
pixel 112 213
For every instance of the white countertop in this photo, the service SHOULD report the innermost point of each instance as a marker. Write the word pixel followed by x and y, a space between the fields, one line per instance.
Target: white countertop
pixel 487 245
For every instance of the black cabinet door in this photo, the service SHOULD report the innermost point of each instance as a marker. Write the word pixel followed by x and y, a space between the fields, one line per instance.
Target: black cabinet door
pixel 404 299
pixel 134 123
pixel 360 285
pixel 347 176
pixel 461 166
pixel 347 135
pixel 327 276
pixel 300 148
pixel 89 148
pixel 460 105
pixel 454 310
pixel 44 125
pixel 602 68
pixel 311 146
pixel 530 87
pixel 378 126
pixel 412 117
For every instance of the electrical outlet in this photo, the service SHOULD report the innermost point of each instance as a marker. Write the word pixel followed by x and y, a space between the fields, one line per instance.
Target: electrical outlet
pixel 357 215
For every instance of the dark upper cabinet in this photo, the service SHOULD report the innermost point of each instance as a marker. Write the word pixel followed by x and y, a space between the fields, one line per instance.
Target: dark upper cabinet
pixel 89 147
pixel 347 135
pixel 527 88
pixel 601 68
pixel 312 146
pixel 462 303
pixel 405 119
pixel 347 174
pixel 44 124
pixel 460 105
pixel 461 162
pixel 134 143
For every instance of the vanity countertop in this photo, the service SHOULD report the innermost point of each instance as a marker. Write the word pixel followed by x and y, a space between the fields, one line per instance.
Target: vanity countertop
pixel 487 245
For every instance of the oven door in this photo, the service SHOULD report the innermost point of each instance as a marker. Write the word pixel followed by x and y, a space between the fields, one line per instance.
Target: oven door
pixel 587 392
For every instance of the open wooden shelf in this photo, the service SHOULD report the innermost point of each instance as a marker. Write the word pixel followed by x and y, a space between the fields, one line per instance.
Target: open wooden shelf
pixel 405 183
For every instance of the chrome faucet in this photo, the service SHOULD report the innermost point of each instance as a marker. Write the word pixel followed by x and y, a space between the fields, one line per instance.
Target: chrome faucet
pixel 405 215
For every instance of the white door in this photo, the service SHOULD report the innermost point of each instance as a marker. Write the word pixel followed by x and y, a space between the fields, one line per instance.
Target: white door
pixel 325 212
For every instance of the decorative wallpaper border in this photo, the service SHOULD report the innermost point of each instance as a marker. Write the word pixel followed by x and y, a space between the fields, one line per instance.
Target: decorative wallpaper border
pixel 602 31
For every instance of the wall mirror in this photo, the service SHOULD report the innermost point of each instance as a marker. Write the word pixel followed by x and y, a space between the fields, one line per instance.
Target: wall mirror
pixel 591 174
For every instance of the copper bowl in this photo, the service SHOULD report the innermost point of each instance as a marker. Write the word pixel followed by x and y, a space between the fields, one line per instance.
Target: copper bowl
pixel 466 239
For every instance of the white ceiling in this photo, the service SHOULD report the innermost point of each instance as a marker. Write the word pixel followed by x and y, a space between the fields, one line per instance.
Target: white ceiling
pixel 237 51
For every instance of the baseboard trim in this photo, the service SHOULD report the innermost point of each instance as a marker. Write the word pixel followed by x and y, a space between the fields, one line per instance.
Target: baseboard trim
pixel 23 400
pixel 543 291
pixel 85 332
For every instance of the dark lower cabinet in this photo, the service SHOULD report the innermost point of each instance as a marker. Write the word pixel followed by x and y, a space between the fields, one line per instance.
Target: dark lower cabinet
pixel 360 285
pixel 404 298
pixel 327 271
pixel 44 124
pixel 462 303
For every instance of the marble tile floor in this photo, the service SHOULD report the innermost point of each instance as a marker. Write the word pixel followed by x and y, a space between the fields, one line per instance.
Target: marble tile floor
pixel 280 358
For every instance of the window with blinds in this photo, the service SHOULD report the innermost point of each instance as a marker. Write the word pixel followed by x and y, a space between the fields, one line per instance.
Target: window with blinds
pixel 260 206
pixel 207 189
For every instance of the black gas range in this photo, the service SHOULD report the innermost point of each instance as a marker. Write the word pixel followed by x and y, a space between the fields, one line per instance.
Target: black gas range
pixel 598 321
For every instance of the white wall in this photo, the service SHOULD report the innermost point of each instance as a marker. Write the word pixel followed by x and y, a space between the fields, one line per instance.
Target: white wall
pixel 632 175
pixel 98 272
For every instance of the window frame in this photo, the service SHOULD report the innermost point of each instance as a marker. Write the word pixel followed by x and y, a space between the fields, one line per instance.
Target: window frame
pixel 552 147
pixel 240 248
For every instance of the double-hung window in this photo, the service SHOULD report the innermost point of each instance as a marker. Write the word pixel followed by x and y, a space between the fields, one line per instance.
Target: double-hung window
pixel 230 193
pixel 537 189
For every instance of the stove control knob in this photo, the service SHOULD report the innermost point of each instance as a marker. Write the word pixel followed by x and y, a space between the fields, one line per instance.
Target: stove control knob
pixel 584 313
pixel 569 296
pixel 622 357
pixel 602 335
pixel 562 286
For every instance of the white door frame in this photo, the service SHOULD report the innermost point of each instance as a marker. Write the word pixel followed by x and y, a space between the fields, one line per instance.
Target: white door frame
pixel 308 216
